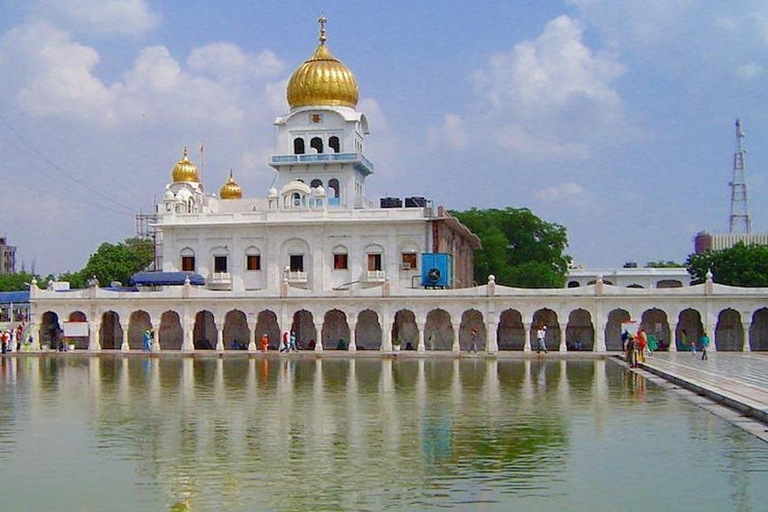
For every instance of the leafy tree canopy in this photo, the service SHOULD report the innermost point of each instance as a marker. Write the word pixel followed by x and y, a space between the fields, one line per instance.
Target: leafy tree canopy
pixel 20 281
pixel 663 264
pixel 113 262
pixel 740 265
pixel 519 248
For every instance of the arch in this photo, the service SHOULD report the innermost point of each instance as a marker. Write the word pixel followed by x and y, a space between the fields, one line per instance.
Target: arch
pixel 205 334
pixel 235 333
pixel 368 331
pixel 758 330
pixel 298 146
pixel 111 332
pixel 333 188
pixel 266 323
pixel 669 283
pixel 438 330
pixel 137 324
pixel 316 143
pixel 472 319
pixel 729 333
pixel 170 333
pixel 334 144
pixel 613 329
pixel 548 317
pixel 404 328
pixel 51 333
pixel 511 331
pixel 654 321
pixel 304 327
pixel 690 322
pixel 80 342
pixel 579 332
pixel 635 285
pixel 187 256
pixel 315 183
pixel 335 333
pixel 573 284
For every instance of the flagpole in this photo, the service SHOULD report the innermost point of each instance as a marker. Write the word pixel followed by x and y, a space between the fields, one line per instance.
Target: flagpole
pixel 202 162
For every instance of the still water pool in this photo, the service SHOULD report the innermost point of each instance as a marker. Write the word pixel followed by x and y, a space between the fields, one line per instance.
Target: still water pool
pixel 182 434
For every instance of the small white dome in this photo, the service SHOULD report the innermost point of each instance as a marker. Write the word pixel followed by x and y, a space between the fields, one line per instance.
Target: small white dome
pixel 169 196
pixel 184 195
pixel 319 191
pixel 272 192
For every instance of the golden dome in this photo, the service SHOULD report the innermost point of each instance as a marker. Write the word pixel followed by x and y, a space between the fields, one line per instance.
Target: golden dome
pixel 185 170
pixel 322 80
pixel 231 190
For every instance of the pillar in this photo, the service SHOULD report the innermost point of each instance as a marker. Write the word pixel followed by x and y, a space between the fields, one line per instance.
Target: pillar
pixel 562 346
pixel 673 337
pixel 386 336
pixel 352 323
pixel 35 330
pixel 252 339
pixel 124 346
pixel 711 329
pixel 746 326
pixel 319 331
pixel 93 336
pixel 156 340
pixel 599 345
pixel 421 346
pixel 456 348
pixel 491 337
pixel 188 332
pixel 528 335
pixel 219 338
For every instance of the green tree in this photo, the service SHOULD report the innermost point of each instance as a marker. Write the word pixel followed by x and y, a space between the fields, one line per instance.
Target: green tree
pixel 740 265
pixel 519 248
pixel 663 264
pixel 20 281
pixel 115 262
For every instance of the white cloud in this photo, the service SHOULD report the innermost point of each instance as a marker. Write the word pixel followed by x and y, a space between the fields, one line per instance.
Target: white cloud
pixel 560 193
pixel 750 70
pixel 450 134
pixel 540 147
pixel 101 17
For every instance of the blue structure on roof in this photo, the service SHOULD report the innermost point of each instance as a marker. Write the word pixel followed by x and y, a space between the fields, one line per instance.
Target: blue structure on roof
pixel 166 278
pixel 14 297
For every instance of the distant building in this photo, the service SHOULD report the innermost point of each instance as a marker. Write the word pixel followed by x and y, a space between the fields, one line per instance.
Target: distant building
pixel 7 257
pixel 708 242
pixel 630 277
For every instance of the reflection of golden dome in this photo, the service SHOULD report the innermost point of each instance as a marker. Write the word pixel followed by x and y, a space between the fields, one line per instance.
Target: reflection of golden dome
pixel 231 190
pixel 322 80
pixel 185 170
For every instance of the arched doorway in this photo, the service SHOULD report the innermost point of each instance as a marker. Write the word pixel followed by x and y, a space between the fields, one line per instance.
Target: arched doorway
pixel 266 323
pixel 171 335
pixel 438 331
pixel 690 322
pixel 654 321
pixel 729 333
pixel 335 330
pixel 472 319
pixel 579 332
pixel 547 317
pixel 368 331
pixel 613 341
pixel 758 331
pixel 236 334
pixel 111 333
pixel 304 327
pixel 204 334
pixel 138 323
pixel 51 333
pixel 510 332
pixel 80 342
pixel 405 330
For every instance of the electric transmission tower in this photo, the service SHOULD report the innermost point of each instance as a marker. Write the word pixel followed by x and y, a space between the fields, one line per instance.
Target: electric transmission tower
pixel 740 222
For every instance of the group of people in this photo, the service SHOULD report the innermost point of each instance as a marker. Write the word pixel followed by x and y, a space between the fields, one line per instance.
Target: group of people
pixel 635 347
pixel 12 339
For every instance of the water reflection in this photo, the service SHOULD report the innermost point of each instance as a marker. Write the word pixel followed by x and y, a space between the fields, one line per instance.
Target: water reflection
pixel 364 434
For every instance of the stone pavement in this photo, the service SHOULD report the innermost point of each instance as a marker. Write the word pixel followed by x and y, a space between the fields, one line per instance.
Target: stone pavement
pixel 737 380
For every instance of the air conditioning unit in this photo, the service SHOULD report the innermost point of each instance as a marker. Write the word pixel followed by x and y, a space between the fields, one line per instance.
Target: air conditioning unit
pixel 406 265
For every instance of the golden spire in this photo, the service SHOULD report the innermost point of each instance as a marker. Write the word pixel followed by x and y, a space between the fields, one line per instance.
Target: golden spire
pixel 322 79
pixel 185 170
pixel 230 189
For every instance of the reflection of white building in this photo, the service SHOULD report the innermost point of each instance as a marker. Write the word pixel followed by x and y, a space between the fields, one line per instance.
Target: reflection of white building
pixel 630 277
pixel 313 255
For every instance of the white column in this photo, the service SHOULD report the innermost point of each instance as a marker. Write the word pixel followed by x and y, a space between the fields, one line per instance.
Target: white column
pixel 386 336
pixel 188 330
pixel 124 346
pixel 421 346
pixel 352 323
pixel 93 336
pixel 673 335
pixel 563 347
pixel 600 325
pixel 35 329
pixel 219 338
pixel 319 341
pixel 528 334
pixel 252 335
pixel 746 326
pixel 456 328
pixel 156 342
pixel 491 337
pixel 712 331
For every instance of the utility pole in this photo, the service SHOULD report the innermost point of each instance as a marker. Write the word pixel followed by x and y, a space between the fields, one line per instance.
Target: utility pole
pixel 739 221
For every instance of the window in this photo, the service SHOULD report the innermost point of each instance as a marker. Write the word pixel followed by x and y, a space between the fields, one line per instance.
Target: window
pixel 253 262
pixel 298 146
pixel 188 263
pixel 296 200
pixel 333 188
pixel 340 262
pixel 316 183
pixel 333 143
pixel 219 264
pixel 297 263
pixel 317 143
pixel 408 261
pixel 374 261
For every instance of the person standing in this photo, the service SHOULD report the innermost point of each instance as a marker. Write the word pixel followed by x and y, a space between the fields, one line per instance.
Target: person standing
pixel 147 339
pixel 293 347
pixel 541 339
pixel 642 343
pixel 704 344
pixel 473 341
pixel 264 342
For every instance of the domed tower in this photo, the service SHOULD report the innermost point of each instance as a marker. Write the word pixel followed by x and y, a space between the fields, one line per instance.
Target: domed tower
pixel 320 141
pixel 185 192
pixel 230 189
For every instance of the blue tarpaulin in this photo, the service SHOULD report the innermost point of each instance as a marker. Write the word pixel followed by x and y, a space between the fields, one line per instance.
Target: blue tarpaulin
pixel 166 278
pixel 14 297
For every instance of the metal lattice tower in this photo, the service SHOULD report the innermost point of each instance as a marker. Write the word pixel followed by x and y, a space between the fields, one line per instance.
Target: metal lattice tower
pixel 740 221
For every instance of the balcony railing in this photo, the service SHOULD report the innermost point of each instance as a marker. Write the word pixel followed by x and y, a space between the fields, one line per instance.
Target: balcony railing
pixel 364 163
pixel 297 276
pixel 375 276
pixel 220 280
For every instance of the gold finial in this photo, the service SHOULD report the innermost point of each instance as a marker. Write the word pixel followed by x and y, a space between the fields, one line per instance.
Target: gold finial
pixel 322 20
pixel 185 150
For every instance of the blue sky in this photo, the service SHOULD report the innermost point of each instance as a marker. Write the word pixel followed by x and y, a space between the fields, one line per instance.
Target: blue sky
pixel 613 118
